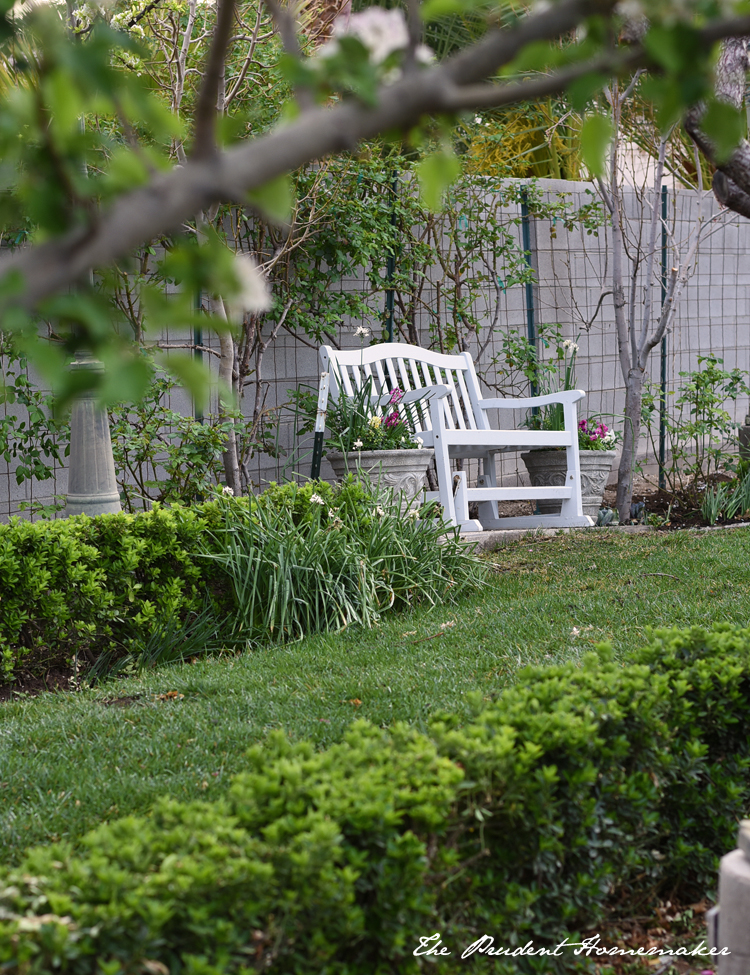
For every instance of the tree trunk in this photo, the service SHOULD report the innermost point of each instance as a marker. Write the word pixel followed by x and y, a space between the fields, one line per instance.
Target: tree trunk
pixel 632 432
pixel 226 371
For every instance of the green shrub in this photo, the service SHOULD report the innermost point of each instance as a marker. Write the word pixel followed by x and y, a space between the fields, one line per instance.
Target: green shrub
pixel 231 571
pixel 78 588
pixel 578 783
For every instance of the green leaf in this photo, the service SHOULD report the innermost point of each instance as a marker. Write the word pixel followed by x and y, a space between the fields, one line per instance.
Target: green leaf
pixel 194 376
pixel 274 199
pixel 675 48
pixel 64 101
pixel 582 90
pixel 434 9
pixel 725 126
pixel 596 134
pixel 436 172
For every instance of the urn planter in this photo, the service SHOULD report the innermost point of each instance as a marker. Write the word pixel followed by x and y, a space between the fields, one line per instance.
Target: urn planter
pixel 548 468
pixel 400 471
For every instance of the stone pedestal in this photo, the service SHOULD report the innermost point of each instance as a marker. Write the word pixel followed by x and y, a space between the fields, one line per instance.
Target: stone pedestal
pixel 92 488
pixel 733 930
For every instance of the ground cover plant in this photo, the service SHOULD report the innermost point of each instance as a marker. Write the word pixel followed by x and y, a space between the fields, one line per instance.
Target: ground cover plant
pixel 609 776
pixel 72 761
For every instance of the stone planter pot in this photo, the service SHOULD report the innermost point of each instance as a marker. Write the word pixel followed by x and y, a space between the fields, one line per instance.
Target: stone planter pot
pixel 400 471
pixel 548 468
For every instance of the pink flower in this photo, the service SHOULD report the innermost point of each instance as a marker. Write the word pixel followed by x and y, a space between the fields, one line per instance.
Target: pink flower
pixel 392 420
pixel 396 396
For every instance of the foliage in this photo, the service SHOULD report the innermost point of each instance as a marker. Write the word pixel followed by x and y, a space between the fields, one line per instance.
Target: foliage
pixel 520 362
pixel 229 571
pixel 609 778
pixel 79 588
pixel 538 140
pixel 308 559
pixel 162 456
pixel 701 434
pixel 37 440
pixel 726 499
pixel 362 421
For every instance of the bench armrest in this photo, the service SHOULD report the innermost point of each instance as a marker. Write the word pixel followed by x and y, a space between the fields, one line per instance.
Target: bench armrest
pixel 510 403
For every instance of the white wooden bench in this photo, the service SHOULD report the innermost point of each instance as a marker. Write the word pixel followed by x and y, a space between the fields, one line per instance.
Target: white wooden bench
pixel 458 426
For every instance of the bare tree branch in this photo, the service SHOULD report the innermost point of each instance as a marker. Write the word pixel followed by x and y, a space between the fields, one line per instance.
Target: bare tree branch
pixel 287 28
pixel 204 144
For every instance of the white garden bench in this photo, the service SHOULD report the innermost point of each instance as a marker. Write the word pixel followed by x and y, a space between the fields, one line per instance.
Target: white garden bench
pixel 458 426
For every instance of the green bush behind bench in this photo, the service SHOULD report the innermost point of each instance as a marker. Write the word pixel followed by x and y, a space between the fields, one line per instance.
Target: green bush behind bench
pixel 579 782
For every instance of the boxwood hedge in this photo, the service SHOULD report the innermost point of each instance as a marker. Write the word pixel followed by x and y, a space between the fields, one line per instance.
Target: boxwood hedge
pixel 578 783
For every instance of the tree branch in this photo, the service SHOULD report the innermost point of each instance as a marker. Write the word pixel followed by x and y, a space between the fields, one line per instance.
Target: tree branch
pixel 170 199
pixel 204 142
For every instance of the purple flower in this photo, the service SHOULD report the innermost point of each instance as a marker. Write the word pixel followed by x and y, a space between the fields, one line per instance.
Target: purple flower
pixel 396 396
pixel 392 420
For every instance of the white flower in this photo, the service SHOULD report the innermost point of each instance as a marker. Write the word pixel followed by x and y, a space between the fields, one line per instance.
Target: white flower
pixel 419 442
pixel 362 330
pixel 252 289
pixel 630 9
pixel 228 491
pixel 379 511
pixel 357 444
pixel 569 346
pixel 316 499
pixel 412 513
pixel 381 31
pixel 478 119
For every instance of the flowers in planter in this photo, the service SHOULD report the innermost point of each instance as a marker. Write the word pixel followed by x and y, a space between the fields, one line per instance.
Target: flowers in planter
pixel 360 423
pixel 596 435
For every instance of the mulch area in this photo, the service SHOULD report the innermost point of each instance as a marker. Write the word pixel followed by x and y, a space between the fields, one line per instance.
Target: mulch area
pixel 668 927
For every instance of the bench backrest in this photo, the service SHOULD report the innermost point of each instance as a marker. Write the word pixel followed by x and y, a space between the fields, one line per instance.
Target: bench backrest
pixel 409 367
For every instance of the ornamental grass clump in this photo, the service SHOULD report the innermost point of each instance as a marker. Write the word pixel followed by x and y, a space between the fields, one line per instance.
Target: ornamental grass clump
pixel 308 559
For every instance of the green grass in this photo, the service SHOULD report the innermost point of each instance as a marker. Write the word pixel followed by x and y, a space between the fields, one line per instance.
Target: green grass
pixel 69 761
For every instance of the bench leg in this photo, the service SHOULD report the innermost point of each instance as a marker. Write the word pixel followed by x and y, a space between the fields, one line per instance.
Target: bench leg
pixel 461 503
pixel 488 478
pixel 445 486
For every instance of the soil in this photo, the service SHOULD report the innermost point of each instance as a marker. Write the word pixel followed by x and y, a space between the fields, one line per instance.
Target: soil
pixel 678 510
pixel 28 686
pixel 668 927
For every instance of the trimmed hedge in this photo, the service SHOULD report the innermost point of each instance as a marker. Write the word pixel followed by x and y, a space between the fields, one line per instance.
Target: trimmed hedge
pixel 578 782
pixel 77 588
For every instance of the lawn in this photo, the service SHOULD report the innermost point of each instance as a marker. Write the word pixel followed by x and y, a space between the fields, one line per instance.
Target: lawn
pixel 69 761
